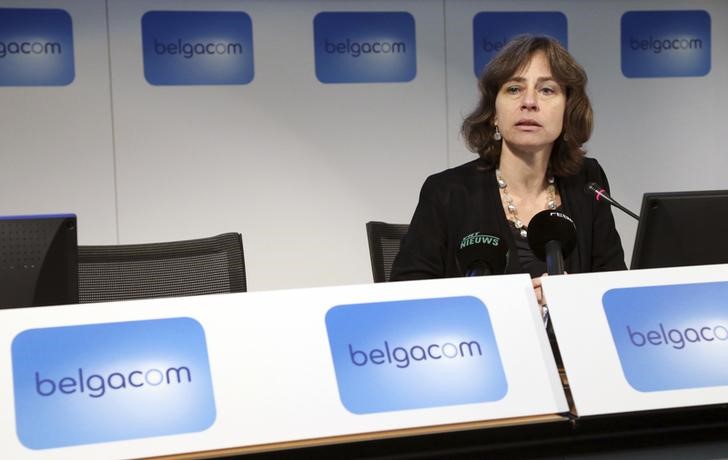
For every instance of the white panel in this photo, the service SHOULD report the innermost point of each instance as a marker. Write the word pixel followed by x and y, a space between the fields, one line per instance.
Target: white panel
pixel 591 360
pixel 272 370
pixel 294 165
pixel 56 151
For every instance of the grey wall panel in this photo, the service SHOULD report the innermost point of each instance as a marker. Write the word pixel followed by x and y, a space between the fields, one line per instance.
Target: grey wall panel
pixel 295 165
pixel 56 142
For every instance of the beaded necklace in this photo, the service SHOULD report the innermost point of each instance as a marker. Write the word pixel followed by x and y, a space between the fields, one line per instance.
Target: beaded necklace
pixel 511 205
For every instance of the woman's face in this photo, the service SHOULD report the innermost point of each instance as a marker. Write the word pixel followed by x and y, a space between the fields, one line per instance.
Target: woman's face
pixel 529 108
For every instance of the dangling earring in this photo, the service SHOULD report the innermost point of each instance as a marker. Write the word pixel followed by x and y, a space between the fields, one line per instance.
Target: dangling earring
pixel 497 135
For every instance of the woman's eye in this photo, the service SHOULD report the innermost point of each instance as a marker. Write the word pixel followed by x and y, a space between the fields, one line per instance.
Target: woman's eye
pixel 548 90
pixel 513 90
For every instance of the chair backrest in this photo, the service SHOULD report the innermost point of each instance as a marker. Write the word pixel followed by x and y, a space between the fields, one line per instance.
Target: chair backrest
pixel 384 242
pixel 178 268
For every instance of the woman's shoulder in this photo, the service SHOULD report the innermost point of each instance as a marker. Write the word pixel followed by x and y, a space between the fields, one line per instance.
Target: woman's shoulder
pixel 590 166
pixel 590 171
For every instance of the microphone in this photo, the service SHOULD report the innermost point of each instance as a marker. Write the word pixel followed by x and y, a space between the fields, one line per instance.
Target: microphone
pixel 480 254
pixel 552 236
pixel 599 193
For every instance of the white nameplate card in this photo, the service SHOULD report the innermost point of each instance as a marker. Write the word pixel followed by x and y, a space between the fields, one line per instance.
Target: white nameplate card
pixel 189 374
pixel 642 339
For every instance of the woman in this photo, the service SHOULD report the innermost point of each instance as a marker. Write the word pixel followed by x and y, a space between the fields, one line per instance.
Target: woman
pixel 529 128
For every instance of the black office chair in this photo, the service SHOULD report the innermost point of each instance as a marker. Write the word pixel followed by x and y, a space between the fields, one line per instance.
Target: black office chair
pixel 384 242
pixel 178 268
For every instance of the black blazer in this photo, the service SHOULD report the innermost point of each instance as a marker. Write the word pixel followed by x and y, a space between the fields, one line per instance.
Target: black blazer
pixel 465 199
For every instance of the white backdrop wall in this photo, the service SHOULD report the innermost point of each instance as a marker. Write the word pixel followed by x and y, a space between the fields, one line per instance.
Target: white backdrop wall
pixel 56 146
pixel 298 166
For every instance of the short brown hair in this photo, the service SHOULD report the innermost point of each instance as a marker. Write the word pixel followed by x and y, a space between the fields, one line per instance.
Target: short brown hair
pixel 478 127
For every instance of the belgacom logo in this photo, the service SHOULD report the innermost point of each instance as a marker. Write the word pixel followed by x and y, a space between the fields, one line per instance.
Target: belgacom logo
pixel 108 382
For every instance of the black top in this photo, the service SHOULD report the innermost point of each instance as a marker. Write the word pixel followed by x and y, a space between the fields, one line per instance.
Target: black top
pixel 528 260
pixel 465 199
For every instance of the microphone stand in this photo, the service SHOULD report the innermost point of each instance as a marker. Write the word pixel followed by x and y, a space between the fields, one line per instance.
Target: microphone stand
pixel 554 258
pixel 626 211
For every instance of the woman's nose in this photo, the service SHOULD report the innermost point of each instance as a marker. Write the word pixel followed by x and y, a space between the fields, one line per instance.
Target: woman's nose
pixel 529 100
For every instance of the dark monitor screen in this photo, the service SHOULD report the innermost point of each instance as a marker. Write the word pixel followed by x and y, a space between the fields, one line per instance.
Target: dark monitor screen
pixel 38 260
pixel 682 228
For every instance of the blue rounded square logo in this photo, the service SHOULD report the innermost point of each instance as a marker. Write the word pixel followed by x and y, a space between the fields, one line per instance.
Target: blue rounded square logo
pixel 492 30
pixel 411 354
pixel 666 44
pixel 370 47
pixel 670 337
pixel 197 47
pixel 36 47
pixel 109 382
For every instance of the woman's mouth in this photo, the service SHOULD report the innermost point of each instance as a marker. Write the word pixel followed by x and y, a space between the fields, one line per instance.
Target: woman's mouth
pixel 528 125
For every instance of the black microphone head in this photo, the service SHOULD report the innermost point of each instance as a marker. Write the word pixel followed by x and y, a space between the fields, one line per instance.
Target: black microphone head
pixel 592 187
pixel 482 253
pixel 598 192
pixel 548 226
